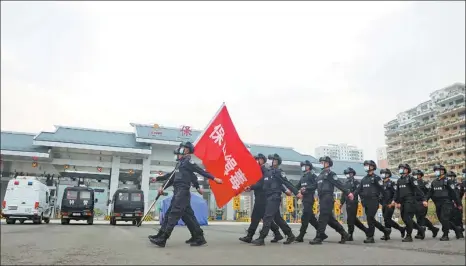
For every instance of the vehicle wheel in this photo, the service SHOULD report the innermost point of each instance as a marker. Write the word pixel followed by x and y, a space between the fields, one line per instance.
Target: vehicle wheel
pixel 47 220
pixel 113 221
pixel 21 221
pixel 90 221
pixel 10 221
pixel 65 221
pixel 138 221
pixel 134 222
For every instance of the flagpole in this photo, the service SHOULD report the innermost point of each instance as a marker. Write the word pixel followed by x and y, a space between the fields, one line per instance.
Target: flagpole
pixel 208 125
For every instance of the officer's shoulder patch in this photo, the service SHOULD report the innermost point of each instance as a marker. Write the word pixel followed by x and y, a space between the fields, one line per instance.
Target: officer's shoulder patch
pixel 283 173
pixel 427 185
pixel 380 182
pixel 415 182
pixel 191 161
pixel 452 186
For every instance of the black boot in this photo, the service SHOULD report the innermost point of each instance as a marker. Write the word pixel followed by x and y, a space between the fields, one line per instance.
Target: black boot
pixel 259 242
pixel 344 237
pixel 198 241
pixel 191 240
pixel 160 241
pixel 458 232
pixel 369 240
pixel 445 237
pixel 247 238
pixel 300 237
pixel 159 233
pixel 276 238
pixel 350 237
pixel 403 232
pixel 386 235
pixel 316 241
pixel 408 238
pixel 290 239
pixel 323 236
pixel 435 231
pixel 421 233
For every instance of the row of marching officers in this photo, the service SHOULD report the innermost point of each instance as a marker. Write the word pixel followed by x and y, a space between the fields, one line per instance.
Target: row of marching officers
pixel 410 193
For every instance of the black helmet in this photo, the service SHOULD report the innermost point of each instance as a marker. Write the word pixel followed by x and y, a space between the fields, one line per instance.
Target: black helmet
pixel 386 171
pixel 348 171
pixel 370 163
pixel 327 160
pixel 308 163
pixel 451 174
pixel 439 167
pixel 188 145
pixel 405 166
pixel 418 172
pixel 260 156
pixel 275 157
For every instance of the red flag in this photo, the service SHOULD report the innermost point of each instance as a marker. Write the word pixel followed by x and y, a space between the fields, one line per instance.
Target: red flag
pixel 224 155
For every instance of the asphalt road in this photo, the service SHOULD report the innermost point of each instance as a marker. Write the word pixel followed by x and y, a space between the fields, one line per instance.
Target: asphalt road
pixel 101 244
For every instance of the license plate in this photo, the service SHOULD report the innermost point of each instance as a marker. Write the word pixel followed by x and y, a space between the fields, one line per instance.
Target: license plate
pixel 14 208
pixel 76 214
pixel 28 210
pixel 129 215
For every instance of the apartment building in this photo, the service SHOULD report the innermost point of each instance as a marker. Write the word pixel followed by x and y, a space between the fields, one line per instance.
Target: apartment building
pixel 430 133
pixel 342 152
pixel 382 160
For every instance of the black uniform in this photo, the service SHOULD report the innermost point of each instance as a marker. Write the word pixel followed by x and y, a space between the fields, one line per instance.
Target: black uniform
pixel 326 183
pixel 389 188
pixel 258 210
pixel 187 216
pixel 421 211
pixel 307 186
pixel 352 207
pixel 406 189
pixel 274 180
pixel 442 193
pixel 457 214
pixel 371 190
pixel 181 198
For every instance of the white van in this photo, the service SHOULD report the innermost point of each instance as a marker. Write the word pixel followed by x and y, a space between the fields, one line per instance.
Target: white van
pixel 26 198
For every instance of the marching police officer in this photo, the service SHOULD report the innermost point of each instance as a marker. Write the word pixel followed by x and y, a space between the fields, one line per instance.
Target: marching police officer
pixel 406 190
pixel 181 182
pixel 307 187
pixel 456 216
pixel 326 183
pixel 187 216
pixel 421 211
pixel 387 208
pixel 274 180
pixel 371 190
pixel 259 204
pixel 351 205
pixel 442 193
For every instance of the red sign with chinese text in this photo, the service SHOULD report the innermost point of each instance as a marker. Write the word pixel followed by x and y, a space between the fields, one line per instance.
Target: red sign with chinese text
pixel 224 155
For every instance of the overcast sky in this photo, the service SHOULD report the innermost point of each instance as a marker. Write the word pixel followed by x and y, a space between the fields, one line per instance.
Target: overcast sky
pixel 299 74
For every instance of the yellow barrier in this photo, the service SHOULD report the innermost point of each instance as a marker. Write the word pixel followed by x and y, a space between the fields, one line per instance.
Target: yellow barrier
pixel 359 210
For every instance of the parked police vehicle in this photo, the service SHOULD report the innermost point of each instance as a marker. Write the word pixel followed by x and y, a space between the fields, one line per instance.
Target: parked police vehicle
pixel 127 205
pixel 26 198
pixel 77 204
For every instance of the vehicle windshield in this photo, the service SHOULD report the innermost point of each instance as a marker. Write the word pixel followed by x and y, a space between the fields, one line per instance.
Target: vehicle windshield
pixel 85 195
pixel 136 197
pixel 71 194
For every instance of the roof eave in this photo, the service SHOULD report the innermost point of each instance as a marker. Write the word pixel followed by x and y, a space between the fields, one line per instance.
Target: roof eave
pixel 91 147
pixel 25 153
